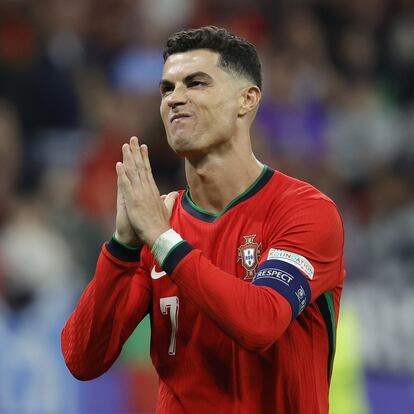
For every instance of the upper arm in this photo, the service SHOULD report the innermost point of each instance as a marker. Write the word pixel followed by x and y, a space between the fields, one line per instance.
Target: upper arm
pixel 304 256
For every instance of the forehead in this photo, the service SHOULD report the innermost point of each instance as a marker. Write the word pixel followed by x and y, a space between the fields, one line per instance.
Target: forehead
pixel 180 65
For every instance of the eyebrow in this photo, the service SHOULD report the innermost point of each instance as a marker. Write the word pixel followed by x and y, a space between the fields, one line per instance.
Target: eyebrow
pixel 166 83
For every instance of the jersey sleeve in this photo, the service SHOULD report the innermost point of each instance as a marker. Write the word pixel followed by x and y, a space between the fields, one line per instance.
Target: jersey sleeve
pixel 253 316
pixel 256 314
pixel 112 305
pixel 304 257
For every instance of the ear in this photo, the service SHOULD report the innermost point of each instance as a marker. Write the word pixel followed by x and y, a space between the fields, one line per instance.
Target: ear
pixel 249 99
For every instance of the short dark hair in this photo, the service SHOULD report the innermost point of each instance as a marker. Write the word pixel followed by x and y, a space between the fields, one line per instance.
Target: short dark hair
pixel 236 54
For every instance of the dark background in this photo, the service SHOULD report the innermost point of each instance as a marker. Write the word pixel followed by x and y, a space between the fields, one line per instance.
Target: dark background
pixel 79 77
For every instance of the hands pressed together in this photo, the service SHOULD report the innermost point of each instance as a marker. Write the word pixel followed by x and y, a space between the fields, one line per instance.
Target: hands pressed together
pixel 142 214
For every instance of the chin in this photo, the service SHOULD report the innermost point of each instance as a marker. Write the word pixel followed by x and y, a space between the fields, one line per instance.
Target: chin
pixel 186 145
pixel 180 142
pixel 187 149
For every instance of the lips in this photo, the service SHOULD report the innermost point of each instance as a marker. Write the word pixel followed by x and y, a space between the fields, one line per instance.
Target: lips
pixel 179 116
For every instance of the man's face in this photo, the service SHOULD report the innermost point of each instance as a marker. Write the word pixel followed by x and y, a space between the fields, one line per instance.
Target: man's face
pixel 199 102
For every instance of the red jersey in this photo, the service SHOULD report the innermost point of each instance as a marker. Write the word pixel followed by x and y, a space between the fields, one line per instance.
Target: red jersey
pixel 243 311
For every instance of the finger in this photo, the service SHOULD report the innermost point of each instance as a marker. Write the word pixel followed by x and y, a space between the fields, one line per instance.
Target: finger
pixel 119 195
pixel 170 201
pixel 137 156
pixel 145 157
pixel 148 170
pixel 129 163
pixel 163 197
pixel 124 183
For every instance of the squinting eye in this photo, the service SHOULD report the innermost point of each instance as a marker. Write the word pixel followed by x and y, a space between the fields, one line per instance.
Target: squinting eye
pixel 196 83
pixel 166 91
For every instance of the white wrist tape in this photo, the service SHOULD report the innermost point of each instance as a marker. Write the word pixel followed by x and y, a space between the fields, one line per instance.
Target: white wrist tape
pixel 164 244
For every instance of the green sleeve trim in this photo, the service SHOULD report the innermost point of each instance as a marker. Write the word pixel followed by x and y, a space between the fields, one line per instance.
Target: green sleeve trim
pixel 171 251
pixel 326 307
pixel 329 299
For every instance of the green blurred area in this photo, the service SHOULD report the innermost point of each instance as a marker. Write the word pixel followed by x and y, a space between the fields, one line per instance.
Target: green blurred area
pixel 136 349
pixel 347 393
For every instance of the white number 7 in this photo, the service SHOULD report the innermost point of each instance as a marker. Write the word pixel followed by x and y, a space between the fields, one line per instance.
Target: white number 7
pixel 173 305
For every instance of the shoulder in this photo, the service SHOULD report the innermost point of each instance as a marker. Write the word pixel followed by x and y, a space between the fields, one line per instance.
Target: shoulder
pixel 290 188
pixel 298 204
pixel 291 194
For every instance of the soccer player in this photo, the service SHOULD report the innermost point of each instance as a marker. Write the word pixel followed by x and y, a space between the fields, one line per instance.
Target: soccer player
pixel 241 273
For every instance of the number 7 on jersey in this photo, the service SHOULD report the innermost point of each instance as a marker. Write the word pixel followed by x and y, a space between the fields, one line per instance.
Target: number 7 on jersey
pixel 171 304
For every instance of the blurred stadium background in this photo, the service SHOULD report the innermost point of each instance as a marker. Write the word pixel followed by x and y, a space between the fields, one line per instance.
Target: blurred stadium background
pixel 79 77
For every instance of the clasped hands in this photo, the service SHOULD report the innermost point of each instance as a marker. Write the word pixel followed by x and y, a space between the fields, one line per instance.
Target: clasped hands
pixel 142 214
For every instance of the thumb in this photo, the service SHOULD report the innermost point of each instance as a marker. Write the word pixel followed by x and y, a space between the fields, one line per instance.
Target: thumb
pixel 170 200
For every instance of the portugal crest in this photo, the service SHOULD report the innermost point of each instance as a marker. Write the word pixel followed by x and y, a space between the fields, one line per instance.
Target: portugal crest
pixel 248 254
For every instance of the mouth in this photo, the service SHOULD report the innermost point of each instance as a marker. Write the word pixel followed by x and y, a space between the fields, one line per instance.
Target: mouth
pixel 177 117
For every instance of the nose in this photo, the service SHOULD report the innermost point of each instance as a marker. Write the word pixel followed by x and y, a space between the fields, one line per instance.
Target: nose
pixel 177 97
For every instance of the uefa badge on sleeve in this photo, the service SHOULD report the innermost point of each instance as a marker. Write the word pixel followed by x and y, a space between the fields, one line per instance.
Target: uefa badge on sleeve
pixel 248 254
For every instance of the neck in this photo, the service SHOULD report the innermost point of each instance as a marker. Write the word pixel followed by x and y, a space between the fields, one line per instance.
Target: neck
pixel 217 179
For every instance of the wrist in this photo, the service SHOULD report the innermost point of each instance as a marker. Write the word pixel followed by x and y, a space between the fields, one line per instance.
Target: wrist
pixel 164 244
pixel 129 243
pixel 169 249
pixel 154 236
pixel 122 251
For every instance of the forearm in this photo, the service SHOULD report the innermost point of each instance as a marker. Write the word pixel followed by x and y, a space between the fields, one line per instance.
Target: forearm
pixel 95 332
pixel 251 315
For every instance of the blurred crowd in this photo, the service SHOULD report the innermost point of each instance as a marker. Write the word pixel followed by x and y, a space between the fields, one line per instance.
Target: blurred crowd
pixel 79 77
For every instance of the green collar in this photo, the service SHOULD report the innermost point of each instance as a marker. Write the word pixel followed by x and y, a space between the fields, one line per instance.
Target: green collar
pixel 204 215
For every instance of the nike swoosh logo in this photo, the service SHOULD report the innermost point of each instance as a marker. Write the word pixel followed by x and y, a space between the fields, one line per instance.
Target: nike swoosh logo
pixel 157 275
